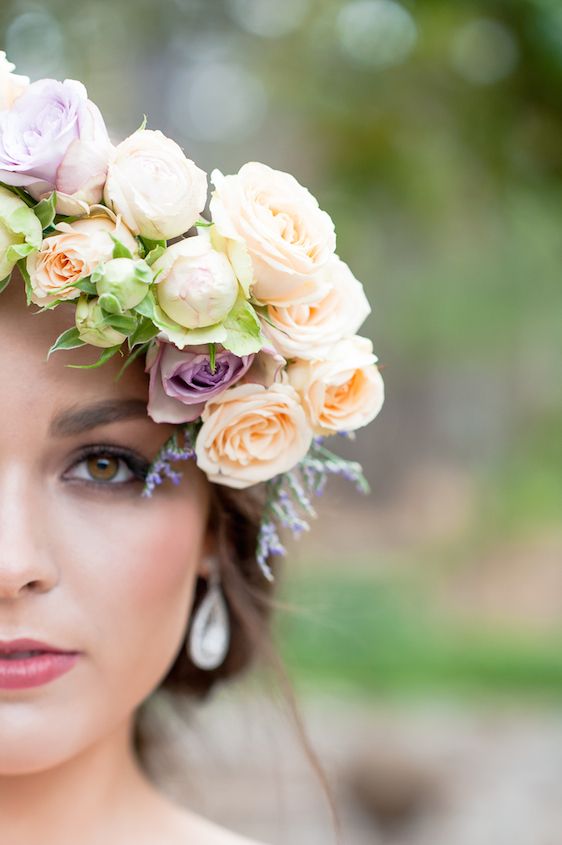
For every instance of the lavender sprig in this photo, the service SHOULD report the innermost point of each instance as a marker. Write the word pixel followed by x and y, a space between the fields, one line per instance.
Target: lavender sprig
pixel 287 492
pixel 171 451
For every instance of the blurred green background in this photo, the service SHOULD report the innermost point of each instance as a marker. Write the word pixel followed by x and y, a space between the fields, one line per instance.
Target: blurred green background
pixel 431 132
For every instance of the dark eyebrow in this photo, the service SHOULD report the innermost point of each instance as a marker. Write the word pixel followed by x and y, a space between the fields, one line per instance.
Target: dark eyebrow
pixel 78 420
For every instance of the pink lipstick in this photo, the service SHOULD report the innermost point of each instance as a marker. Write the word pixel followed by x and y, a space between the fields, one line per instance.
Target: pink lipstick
pixel 29 663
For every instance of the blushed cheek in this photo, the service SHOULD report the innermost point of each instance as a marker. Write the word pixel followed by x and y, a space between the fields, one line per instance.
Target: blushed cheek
pixel 160 592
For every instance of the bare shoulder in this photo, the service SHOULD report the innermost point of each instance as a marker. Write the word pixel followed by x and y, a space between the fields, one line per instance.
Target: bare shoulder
pixel 190 827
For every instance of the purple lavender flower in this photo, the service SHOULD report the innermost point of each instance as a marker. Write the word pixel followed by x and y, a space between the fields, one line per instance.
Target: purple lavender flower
pixel 182 380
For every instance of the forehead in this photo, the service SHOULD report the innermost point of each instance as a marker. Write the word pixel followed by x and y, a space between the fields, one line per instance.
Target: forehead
pixel 30 383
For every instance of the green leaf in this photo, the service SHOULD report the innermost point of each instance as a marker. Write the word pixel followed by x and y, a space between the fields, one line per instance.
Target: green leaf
pixel 146 306
pixel 110 303
pixel 121 322
pixel 212 356
pixel 70 339
pixel 201 225
pixel 243 329
pixel 155 254
pixel 150 244
pixel 45 210
pixel 119 250
pixel 25 275
pixel 86 285
pixel 143 124
pixel 5 282
pixel 130 358
pixel 28 200
pixel 144 332
pixel 105 356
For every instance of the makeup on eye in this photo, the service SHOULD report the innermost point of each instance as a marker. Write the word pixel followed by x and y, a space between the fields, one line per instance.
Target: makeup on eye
pixel 107 465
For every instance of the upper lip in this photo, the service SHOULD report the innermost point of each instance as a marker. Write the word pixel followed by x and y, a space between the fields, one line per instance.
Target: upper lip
pixel 26 644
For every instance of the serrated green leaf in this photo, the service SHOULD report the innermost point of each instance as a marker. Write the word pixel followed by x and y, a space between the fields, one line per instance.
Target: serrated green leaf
pixel 70 339
pixel 105 356
pixel 243 330
pixel 119 250
pixel 45 210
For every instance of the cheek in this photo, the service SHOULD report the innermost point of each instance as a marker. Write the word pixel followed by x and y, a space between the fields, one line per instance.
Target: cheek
pixel 145 568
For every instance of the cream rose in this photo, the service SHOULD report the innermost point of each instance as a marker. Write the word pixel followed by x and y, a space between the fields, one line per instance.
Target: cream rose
pixel 289 238
pixel 251 433
pixel 309 329
pixel 11 84
pixel 197 285
pixel 154 186
pixel 72 254
pixel 343 391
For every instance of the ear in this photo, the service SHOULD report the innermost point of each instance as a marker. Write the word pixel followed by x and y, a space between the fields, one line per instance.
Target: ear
pixel 208 551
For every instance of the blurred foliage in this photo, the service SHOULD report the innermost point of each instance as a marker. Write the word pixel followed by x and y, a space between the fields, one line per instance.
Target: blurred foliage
pixel 363 634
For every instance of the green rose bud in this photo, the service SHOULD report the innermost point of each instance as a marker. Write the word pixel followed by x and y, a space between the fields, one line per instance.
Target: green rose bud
pixel 121 283
pixel 21 232
pixel 92 326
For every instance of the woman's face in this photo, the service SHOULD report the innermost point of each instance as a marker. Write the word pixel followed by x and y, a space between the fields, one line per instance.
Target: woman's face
pixel 86 563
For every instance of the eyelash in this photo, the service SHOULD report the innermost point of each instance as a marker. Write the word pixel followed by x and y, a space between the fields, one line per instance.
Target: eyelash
pixel 138 465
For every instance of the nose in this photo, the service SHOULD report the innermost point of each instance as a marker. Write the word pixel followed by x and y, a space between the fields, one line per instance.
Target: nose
pixel 25 563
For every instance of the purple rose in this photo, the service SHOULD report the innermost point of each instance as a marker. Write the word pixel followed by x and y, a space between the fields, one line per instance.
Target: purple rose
pixel 54 137
pixel 181 380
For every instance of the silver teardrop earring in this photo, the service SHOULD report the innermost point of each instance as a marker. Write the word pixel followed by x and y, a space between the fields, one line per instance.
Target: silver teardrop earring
pixel 209 635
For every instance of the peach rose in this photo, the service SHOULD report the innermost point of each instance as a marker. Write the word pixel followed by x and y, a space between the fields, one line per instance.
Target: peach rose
pixel 343 391
pixel 73 254
pixel 309 329
pixel 251 433
pixel 289 238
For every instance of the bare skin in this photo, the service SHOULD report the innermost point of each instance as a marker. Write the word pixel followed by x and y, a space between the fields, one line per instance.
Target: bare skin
pixel 87 564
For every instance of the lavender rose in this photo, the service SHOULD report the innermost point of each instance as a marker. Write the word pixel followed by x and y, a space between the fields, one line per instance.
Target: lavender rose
pixel 181 380
pixel 54 137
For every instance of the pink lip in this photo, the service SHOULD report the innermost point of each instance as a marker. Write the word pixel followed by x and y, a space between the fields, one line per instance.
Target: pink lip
pixel 36 670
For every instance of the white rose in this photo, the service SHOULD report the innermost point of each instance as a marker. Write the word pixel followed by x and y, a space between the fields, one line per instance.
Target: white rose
pixel 11 84
pixel 309 329
pixel 197 286
pixel 251 433
pixel 289 238
pixel 343 391
pixel 157 189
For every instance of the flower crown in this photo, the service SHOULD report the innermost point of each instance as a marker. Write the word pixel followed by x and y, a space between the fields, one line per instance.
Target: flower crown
pixel 247 321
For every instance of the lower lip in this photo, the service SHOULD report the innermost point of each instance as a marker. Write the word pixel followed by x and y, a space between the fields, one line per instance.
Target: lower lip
pixel 36 670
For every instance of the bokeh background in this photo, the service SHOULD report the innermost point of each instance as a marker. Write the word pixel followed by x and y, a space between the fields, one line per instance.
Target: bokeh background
pixel 423 624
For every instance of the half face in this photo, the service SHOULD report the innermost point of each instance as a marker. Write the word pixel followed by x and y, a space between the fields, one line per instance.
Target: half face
pixel 86 563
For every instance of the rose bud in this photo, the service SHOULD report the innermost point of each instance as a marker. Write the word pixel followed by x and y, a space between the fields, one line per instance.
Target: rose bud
pixel 197 286
pixel 121 283
pixel 91 325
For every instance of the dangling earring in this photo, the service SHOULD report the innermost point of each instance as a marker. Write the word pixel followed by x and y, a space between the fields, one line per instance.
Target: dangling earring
pixel 209 635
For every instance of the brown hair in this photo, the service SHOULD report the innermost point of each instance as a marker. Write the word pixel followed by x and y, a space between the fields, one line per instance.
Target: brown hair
pixel 234 520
